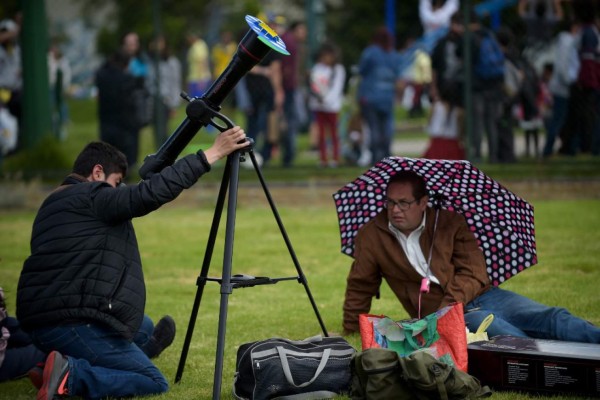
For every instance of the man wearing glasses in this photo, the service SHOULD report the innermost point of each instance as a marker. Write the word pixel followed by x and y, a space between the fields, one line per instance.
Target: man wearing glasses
pixel 430 259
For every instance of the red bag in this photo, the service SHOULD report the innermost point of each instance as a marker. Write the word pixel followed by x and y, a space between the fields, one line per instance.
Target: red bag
pixel 442 334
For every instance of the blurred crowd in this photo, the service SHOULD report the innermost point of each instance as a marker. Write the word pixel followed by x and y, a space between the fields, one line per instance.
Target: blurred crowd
pixel 546 85
pixel 11 85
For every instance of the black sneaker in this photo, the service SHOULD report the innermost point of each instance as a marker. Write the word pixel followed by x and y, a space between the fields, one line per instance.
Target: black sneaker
pixel 162 337
pixel 56 373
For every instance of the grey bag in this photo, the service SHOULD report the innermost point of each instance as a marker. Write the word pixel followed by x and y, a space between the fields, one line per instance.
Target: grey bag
pixel 276 368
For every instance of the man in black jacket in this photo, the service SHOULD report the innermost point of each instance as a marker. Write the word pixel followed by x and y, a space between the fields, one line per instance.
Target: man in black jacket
pixel 81 293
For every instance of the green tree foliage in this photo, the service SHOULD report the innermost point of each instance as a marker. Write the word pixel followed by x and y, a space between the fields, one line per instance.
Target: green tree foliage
pixel 176 18
pixel 8 8
pixel 352 24
pixel 348 23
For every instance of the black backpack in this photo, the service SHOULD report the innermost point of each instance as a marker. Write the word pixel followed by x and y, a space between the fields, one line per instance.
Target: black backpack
pixel 490 63
pixel 380 374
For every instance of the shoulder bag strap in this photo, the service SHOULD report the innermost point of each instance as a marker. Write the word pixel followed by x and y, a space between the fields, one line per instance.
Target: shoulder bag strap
pixel 288 373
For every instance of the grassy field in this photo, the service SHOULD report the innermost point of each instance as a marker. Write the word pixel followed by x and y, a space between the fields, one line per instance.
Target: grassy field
pixel 172 241
pixel 83 128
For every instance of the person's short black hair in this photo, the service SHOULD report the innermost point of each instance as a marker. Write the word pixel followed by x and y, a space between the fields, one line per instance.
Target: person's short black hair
pixel 419 188
pixel 328 48
pixel 120 59
pixel 457 18
pixel 505 36
pixel 111 159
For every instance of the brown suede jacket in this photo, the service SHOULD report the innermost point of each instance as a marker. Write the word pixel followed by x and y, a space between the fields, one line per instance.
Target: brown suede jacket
pixel 457 262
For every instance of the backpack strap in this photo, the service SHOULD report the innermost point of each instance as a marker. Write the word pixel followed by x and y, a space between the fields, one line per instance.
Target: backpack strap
pixel 439 381
pixel 484 391
pixel 433 368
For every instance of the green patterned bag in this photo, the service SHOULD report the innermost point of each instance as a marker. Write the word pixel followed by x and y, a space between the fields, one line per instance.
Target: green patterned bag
pixel 381 374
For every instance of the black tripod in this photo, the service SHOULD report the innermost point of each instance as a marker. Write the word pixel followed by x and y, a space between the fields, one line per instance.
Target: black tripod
pixel 227 281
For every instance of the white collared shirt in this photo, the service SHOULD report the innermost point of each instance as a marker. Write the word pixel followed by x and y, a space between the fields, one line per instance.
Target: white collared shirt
pixel 412 249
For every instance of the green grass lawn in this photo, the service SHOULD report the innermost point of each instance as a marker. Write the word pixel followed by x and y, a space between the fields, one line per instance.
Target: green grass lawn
pixel 51 161
pixel 172 241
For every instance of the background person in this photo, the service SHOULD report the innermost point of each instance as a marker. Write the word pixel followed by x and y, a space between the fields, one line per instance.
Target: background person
pixel 294 38
pixel 564 74
pixel 435 19
pixel 198 66
pixel 540 18
pixel 117 116
pixel 265 95
pixel 59 79
pixel 168 86
pixel 327 79
pixel 11 83
pixel 81 294
pixel 379 77
pixel 221 55
pixel 138 61
pixel 393 246
pixel 18 354
pixel 584 136
pixel 488 95
pixel 138 67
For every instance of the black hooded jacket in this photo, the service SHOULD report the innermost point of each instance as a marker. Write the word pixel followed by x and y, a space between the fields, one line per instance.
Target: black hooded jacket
pixel 85 263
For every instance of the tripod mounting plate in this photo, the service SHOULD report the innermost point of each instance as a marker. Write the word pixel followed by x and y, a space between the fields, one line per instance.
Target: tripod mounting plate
pixel 243 280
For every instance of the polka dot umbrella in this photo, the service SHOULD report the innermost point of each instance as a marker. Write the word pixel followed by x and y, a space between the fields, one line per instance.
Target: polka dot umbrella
pixel 501 221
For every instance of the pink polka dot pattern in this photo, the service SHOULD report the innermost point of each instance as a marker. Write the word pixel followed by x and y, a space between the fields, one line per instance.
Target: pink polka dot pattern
pixel 501 221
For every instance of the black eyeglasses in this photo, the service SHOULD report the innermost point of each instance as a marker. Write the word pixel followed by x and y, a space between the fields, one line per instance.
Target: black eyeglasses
pixel 402 204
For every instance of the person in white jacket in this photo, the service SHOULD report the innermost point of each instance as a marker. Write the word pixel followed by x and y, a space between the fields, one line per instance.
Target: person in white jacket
pixel 435 14
pixel 327 79
pixel 566 70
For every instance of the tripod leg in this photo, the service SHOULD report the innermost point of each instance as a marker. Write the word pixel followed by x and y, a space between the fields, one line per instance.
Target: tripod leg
pixel 301 276
pixel 226 286
pixel 201 282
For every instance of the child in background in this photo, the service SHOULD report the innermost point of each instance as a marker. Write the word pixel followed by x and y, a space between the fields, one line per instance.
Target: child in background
pixel 530 108
pixel 327 79
pixel 444 131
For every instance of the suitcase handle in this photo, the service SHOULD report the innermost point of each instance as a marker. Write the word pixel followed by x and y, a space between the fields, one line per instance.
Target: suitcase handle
pixel 288 373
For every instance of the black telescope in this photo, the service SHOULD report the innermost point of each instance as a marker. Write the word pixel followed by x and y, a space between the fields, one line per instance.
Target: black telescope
pixel 254 46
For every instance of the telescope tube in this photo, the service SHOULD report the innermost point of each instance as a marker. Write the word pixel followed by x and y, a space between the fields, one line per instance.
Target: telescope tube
pixel 254 46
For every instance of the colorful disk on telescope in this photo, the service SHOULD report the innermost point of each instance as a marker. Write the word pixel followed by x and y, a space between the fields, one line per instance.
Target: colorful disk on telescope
pixel 267 35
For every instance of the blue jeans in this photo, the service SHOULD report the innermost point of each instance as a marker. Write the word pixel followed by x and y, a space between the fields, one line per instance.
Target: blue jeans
pixel 560 107
pixel 517 315
pixel 487 110
pixel 101 362
pixel 257 125
pixel 288 137
pixel 381 130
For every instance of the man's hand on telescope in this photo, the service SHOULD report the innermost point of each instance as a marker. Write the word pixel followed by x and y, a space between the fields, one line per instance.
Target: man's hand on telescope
pixel 225 143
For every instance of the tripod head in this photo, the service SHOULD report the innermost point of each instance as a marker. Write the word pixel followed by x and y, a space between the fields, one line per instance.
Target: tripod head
pixel 203 111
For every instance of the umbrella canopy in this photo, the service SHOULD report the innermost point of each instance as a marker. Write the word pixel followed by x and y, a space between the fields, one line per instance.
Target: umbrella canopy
pixel 501 221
